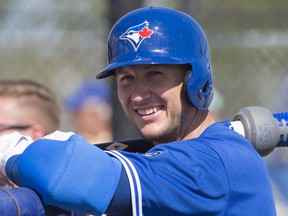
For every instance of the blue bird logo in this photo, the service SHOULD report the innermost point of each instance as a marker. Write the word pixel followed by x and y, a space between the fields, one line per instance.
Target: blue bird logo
pixel 137 34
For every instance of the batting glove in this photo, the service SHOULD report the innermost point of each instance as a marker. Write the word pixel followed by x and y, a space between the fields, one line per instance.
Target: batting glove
pixel 10 145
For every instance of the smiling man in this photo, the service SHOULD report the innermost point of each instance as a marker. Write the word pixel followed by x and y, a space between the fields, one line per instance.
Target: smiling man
pixel 160 58
pixel 150 96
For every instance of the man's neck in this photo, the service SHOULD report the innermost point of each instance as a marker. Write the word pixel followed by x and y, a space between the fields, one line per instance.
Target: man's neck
pixel 202 120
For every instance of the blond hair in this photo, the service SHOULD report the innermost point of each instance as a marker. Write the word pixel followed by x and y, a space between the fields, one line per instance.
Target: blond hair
pixel 36 97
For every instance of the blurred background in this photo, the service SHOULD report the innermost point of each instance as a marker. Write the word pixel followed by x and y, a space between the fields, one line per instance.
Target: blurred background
pixel 61 43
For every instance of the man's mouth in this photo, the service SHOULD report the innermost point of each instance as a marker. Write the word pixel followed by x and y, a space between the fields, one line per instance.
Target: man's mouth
pixel 148 111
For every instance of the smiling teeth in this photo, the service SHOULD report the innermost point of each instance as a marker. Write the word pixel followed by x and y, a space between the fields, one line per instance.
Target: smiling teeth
pixel 148 111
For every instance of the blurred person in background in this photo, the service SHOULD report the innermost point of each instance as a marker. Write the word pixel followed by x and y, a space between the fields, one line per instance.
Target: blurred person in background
pixel 277 163
pixel 91 111
pixel 28 107
pixel 32 109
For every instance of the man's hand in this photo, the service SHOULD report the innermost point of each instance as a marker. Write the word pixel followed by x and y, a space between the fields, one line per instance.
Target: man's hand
pixel 11 144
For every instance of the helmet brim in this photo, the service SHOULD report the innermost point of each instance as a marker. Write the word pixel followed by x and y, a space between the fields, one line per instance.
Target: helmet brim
pixel 110 69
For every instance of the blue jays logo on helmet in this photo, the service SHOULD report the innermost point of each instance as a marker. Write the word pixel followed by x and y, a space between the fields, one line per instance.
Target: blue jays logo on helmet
pixel 136 34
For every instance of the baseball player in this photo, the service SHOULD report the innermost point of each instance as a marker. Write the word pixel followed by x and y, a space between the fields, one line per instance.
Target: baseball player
pixel 160 59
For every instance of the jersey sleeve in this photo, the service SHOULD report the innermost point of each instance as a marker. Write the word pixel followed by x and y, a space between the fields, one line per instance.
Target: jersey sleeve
pixel 71 174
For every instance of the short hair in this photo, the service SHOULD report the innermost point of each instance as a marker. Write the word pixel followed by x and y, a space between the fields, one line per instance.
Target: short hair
pixel 36 97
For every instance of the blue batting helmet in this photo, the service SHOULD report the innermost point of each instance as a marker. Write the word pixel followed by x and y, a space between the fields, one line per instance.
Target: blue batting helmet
pixel 159 35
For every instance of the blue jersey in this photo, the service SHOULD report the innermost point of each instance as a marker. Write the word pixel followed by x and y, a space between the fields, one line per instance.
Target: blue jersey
pixel 218 173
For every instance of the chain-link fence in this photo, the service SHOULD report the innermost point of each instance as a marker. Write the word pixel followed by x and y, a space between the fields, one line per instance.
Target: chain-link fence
pixel 61 43
pixel 249 75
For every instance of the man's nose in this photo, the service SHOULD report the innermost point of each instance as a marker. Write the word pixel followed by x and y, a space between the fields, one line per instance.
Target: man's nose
pixel 140 91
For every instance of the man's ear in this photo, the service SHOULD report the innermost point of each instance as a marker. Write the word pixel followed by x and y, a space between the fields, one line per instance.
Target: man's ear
pixel 37 131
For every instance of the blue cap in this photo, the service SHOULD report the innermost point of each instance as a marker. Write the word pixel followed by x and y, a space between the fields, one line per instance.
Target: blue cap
pixel 89 89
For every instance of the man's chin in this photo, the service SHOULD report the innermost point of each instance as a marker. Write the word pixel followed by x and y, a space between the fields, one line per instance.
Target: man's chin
pixel 159 136
pixel 155 138
pixel 149 136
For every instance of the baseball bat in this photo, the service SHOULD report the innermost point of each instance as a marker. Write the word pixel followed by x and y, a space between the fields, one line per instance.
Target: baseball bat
pixel 263 129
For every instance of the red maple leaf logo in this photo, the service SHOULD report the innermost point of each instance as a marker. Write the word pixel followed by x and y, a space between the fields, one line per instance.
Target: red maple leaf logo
pixel 145 32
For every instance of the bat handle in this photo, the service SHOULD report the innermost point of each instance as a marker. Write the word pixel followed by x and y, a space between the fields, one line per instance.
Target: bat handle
pixel 282 119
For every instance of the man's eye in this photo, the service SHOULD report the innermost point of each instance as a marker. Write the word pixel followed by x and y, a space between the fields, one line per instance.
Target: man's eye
pixel 126 78
pixel 154 73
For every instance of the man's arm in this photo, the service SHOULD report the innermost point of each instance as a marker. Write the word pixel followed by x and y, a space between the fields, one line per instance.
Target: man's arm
pixel 71 174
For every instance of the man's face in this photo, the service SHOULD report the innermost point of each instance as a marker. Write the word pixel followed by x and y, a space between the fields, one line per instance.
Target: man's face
pixel 13 117
pixel 152 100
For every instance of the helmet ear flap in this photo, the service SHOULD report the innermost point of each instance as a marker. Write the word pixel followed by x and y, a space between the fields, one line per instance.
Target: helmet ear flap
pixel 200 96
pixel 185 86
